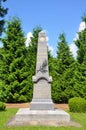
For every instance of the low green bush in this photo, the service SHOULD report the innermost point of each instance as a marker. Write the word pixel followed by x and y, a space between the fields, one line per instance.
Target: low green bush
pixel 2 106
pixel 77 104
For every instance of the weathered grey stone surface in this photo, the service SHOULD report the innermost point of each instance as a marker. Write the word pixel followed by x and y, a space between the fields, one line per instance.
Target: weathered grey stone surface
pixel 42 81
pixel 57 114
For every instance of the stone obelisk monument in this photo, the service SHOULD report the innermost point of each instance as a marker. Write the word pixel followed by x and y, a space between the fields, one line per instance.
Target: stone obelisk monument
pixel 41 111
pixel 42 81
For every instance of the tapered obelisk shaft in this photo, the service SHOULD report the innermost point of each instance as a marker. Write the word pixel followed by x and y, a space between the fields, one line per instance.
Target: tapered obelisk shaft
pixel 42 81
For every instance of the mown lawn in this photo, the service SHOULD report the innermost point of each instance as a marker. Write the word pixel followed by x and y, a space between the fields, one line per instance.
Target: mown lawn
pixel 6 115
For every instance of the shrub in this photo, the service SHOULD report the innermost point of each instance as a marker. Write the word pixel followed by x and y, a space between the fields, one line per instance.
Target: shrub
pixel 77 104
pixel 2 106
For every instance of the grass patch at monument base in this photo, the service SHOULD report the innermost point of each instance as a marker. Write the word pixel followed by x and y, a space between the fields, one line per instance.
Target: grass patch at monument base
pixel 9 113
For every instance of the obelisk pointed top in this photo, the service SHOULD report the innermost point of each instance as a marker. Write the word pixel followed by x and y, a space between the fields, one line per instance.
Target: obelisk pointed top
pixel 42 37
pixel 42 34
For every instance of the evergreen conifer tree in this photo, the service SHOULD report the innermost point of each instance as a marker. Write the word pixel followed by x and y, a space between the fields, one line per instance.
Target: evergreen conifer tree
pixel 81 43
pixel 62 65
pixel 13 69
pixel 64 56
pixel 81 59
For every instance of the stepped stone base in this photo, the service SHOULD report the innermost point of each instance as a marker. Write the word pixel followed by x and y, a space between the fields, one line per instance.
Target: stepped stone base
pixel 25 116
pixel 41 104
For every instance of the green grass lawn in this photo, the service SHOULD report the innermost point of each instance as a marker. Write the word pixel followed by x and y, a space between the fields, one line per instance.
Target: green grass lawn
pixel 6 115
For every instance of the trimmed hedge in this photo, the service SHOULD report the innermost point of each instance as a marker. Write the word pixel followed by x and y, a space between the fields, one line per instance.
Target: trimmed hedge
pixel 77 104
pixel 2 106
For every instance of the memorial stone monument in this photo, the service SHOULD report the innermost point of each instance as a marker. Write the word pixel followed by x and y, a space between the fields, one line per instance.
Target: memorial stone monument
pixel 41 109
pixel 42 81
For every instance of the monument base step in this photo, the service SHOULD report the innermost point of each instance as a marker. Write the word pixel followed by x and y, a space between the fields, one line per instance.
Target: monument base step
pixel 41 104
pixel 27 116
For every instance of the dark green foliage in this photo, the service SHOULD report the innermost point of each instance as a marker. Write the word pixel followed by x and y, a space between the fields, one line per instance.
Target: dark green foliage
pixel 77 104
pixel 22 98
pixel 3 12
pixel 54 74
pixel 2 91
pixel 60 68
pixel 64 56
pixel 69 76
pixel 2 106
pixel 17 64
pixel 13 72
pixel 81 59
pixel 81 44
